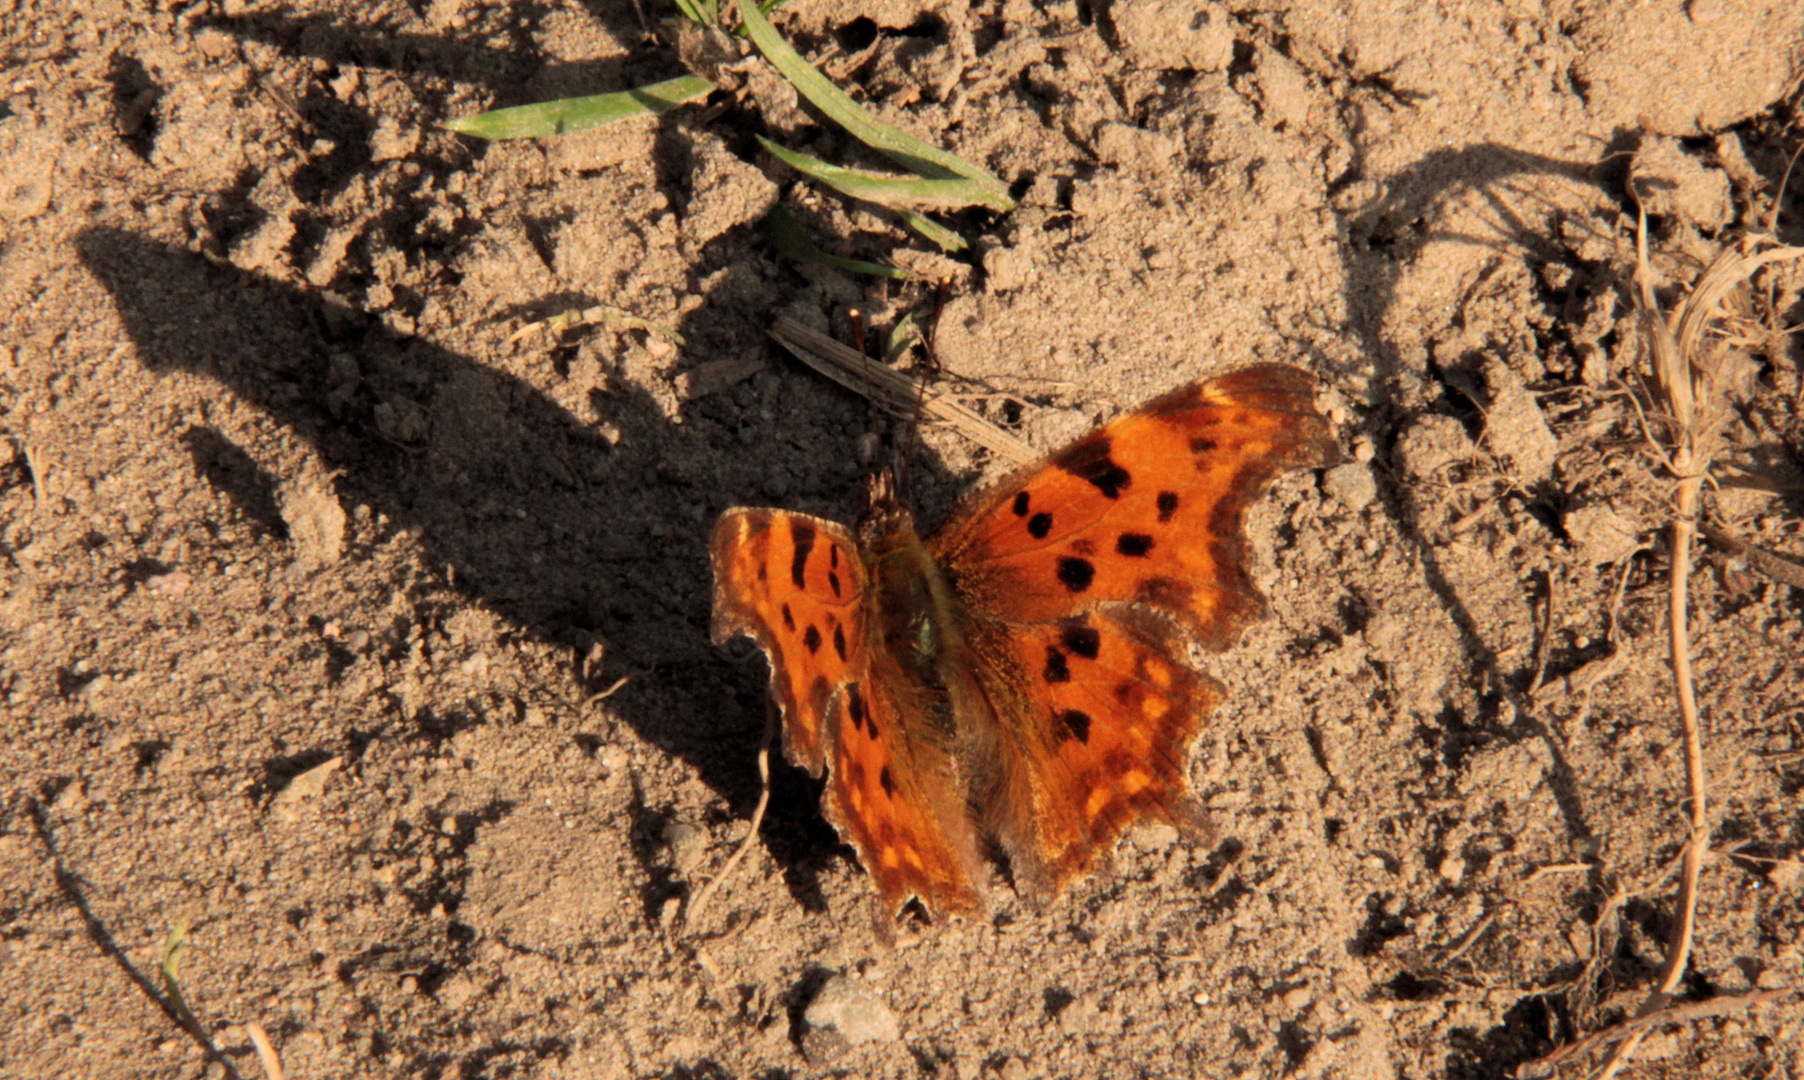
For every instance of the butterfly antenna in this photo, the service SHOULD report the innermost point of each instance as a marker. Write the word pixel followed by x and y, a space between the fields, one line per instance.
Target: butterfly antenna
pixel 930 352
pixel 856 315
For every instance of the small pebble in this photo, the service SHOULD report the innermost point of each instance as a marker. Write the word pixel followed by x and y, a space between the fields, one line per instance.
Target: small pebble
pixel 843 1014
pixel 1351 485
pixel 687 844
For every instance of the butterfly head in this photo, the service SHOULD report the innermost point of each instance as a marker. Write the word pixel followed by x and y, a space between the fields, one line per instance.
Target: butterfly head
pixel 883 513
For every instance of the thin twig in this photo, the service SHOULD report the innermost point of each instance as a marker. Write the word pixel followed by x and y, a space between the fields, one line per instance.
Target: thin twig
pixel 1541 648
pixel 700 904
pixel 1777 567
pixel 1469 938
pixel 1677 1014
pixel 37 476
pixel 603 695
pixel 1555 868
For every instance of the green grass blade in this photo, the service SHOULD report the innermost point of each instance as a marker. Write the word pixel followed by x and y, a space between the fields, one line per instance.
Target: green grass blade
pixel 577 114
pixel 700 12
pixel 933 232
pixel 170 969
pixel 902 337
pixel 786 234
pixel 905 193
pixel 922 159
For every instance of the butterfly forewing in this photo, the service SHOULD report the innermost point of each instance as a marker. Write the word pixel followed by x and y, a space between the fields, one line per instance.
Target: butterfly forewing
pixel 798 586
pixel 1149 509
pixel 1082 582
pixel 795 584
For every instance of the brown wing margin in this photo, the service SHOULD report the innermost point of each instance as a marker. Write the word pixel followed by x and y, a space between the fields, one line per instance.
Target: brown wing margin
pixel 795 585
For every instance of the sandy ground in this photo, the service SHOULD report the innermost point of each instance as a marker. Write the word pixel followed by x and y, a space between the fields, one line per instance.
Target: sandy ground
pixel 312 577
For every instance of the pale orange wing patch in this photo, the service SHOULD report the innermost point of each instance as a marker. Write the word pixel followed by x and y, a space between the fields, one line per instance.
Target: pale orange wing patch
pixel 1149 509
pixel 795 584
pixel 1097 713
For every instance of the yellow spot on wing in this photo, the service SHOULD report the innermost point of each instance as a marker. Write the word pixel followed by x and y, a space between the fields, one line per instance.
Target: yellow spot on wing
pixel 889 858
pixel 1098 799
pixel 1135 781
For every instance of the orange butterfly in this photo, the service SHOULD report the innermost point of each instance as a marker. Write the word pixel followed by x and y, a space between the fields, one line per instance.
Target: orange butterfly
pixel 1019 677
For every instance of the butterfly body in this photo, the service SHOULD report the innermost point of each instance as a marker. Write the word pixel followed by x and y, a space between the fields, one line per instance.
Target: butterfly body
pixel 913 615
pixel 1021 677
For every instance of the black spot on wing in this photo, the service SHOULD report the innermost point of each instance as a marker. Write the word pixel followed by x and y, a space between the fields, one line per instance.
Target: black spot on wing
pixel 1074 724
pixel 1057 671
pixel 1134 545
pixel 1091 459
pixel 812 638
pixel 789 621
pixel 833 580
pixel 839 641
pixel 1020 504
pixel 1202 446
pixel 1076 574
pixel 833 557
pixel 887 781
pixel 1081 639
pixel 1039 525
pixel 803 538
pixel 1168 505
pixel 855 706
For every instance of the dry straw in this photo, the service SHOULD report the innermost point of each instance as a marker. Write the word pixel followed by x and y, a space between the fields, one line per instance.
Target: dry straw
pixel 1697 361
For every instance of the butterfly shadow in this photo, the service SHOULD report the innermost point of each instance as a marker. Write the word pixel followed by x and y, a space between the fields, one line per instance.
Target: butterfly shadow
pixel 436 63
pixel 571 540
pixel 1382 237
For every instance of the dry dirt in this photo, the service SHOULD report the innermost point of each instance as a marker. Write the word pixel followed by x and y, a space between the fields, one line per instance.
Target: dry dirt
pixel 311 576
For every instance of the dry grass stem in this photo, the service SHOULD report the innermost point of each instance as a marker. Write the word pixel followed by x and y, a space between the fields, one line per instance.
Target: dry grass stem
pixel 1694 365
pixel 893 391
pixel 692 916
pixel 266 1051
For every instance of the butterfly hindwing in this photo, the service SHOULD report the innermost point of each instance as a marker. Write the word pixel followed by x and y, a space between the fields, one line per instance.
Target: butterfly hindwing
pixel 1096 717
pixel 894 795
